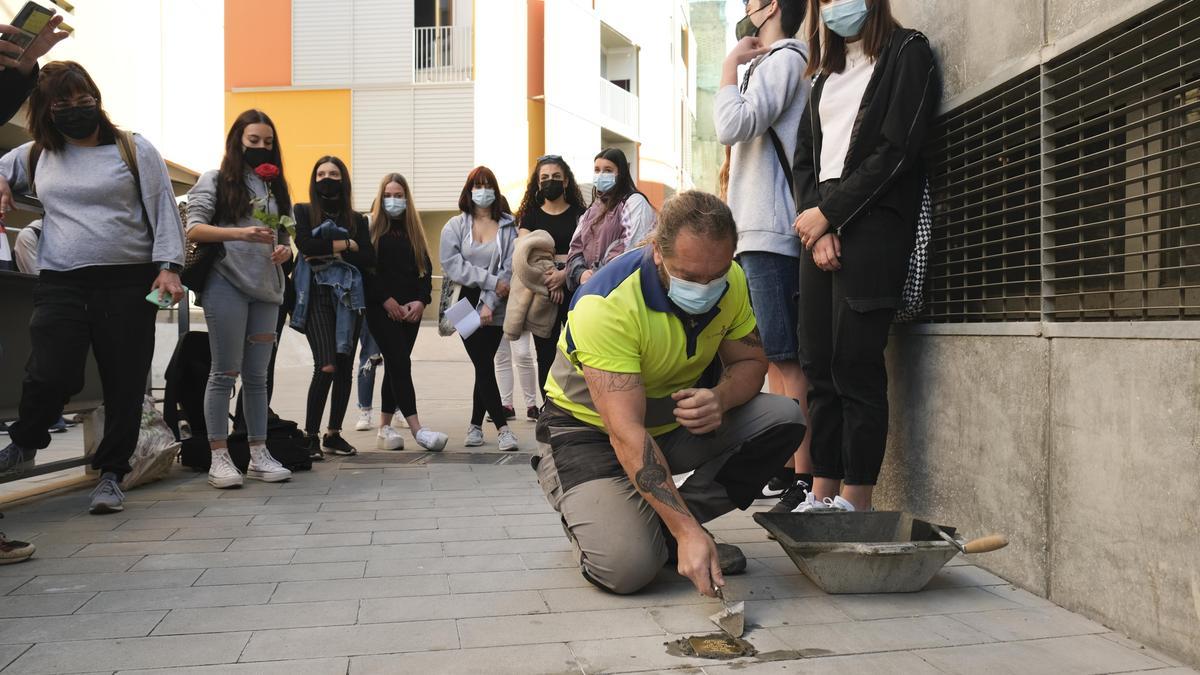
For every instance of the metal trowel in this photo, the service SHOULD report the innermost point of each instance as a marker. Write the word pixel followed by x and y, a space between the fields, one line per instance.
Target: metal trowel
pixel 732 618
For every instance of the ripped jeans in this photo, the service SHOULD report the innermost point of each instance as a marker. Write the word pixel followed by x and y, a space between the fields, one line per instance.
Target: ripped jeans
pixel 241 332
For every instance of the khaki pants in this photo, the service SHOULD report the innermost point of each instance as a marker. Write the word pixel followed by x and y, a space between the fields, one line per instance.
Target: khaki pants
pixel 617 536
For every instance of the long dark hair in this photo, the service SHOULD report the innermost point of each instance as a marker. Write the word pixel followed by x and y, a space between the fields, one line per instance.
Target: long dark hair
pixel 59 80
pixel 624 187
pixel 875 33
pixel 381 221
pixel 346 218
pixel 533 196
pixel 233 197
pixel 483 176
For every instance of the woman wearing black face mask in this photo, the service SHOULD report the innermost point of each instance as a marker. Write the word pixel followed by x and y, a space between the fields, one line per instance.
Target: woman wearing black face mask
pixel 335 243
pixel 552 203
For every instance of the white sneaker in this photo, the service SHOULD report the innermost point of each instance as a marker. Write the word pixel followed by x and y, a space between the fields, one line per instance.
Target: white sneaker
pixel 364 420
pixel 507 440
pixel 433 441
pixel 811 505
pixel 839 504
pixel 266 468
pixel 474 436
pixel 222 473
pixel 399 422
pixel 389 439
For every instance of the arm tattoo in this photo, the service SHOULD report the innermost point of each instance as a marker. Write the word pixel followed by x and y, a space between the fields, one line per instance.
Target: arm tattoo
pixel 752 339
pixel 602 382
pixel 654 479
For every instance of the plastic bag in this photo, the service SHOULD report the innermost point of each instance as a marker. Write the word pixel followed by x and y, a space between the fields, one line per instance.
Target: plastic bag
pixel 156 447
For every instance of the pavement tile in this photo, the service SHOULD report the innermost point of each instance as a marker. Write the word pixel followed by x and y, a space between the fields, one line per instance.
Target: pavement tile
pixel 960 576
pixel 1128 643
pixel 693 617
pixel 148 652
pixel 649 653
pixel 1019 596
pixel 179 598
pixel 334 666
pixel 345 589
pixel 143 523
pixel 523 580
pixel 79 627
pixel 15 606
pixel 314 517
pixel 109 581
pixel 550 560
pixel 496 546
pixel 501 521
pixel 367 553
pixel 38 565
pixel 259 617
pixel 379 638
pixel 468 534
pixel 443 565
pixel 393 525
pixel 239 532
pixel 104 537
pixel 519 509
pixel 155 547
pixel 1008 625
pixel 591 598
pixel 459 606
pixel 301 541
pixel 907 663
pixel 755 535
pixel 558 627
pixel 884 635
pixel 434 512
pixel 48 551
pixel 230 510
pixel 766 549
pixel 534 531
pixel 356 497
pixel 379 505
pixel 9 653
pixel 184 561
pixel 1078 655
pixel 271 573
pixel 923 603
pixel 9 583
pixel 519 660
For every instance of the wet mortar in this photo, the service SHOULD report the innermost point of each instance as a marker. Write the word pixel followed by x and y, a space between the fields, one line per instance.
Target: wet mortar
pixel 713 646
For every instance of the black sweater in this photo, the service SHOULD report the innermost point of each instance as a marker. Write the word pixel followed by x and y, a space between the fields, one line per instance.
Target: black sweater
pixel 311 247
pixel 14 89
pixel 396 274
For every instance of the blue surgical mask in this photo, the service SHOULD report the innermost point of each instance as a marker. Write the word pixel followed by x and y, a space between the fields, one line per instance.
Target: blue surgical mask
pixel 696 298
pixel 483 197
pixel 604 181
pixel 394 205
pixel 845 17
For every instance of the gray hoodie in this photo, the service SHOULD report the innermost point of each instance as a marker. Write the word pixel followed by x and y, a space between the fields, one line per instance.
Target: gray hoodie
pixel 463 260
pixel 775 96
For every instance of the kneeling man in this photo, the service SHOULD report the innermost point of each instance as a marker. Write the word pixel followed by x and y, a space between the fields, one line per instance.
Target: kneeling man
pixel 626 408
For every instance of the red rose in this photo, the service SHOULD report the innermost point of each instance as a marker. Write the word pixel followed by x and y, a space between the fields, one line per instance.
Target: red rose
pixel 267 172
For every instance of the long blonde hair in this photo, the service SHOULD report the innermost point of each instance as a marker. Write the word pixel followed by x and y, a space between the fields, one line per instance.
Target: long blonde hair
pixel 381 222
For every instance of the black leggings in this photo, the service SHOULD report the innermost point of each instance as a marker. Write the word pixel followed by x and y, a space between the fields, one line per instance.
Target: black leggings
pixel 321 331
pixel 481 347
pixel 395 340
pixel 547 347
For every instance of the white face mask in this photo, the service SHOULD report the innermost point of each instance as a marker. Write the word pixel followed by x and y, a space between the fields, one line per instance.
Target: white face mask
pixel 395 205
pixel 483 197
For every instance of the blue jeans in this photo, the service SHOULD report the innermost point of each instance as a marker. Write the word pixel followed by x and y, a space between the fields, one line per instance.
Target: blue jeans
pixel 369 359
pixel 234 322
pixel 774 282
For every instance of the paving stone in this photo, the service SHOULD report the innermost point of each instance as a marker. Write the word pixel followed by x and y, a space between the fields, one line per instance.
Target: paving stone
pixel 179 598
pixel 47 551
pixel 693 617
pixel 239 532
pixel 550 560
pixel 315 517
pixel 766 549
pixel 649 653
pixel 946 601
pixel 1008 625
pixel 434 512
pixel 176 523
pixel 1019 596
pixel 1128 643
pixel 778 566
pixel 443 565
pixel 259 617
pixel 356 497
pixel 9 653
pixel 1077 655
pixel 907 663
pixel 959 576
pixel 112 581
pixel 382 504
pixel 14 606
pixel 39 566
pixel 183 561
pixel 458 534
pixel 878 636
pixel 148 652
pixel 229 510
pixel 518 509
pixel 104 537
pixel 591 598
pixel 334 666
pixel 9 583
pixel 501 521
pixel 380 638
pixel 301 541
pixel 394 525
pixel 492 546
pixel 270 573
pixel 79 627
pixel 156 547
pixel 343 589
pixel 523 580
pixel 755 535
pixel 459 606
pixel 534 531
pixel 368 553
pixel 548 658
pixel 559 627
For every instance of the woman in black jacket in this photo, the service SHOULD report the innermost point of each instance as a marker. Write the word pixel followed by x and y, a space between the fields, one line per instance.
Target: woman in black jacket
pixel 858 181
pixel 342 237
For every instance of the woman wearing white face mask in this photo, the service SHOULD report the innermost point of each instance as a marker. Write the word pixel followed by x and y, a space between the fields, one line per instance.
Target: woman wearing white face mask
pixel 397 294
pixel 619 218
pixel 476 252
pixel 859 181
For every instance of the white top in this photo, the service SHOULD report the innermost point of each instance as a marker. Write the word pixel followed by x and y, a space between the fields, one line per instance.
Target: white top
pixel 840 101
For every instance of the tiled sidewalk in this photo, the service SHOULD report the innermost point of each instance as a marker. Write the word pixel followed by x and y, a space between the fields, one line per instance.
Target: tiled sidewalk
pixel 364 567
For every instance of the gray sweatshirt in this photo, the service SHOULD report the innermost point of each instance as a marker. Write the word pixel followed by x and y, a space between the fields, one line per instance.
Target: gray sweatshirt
pixel 92 212
pixel 762 205
pixel 246 265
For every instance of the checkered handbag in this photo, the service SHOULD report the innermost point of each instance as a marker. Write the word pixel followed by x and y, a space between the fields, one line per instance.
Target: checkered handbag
pixel 912 298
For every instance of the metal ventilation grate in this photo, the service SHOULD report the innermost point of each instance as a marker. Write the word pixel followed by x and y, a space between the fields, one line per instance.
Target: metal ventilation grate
pixel 1122 182
pixel 985 163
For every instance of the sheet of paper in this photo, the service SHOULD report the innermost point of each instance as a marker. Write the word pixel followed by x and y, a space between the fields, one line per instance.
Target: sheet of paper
pixel 464 317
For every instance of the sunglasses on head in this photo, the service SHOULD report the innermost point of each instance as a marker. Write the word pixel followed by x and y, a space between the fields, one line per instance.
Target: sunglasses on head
pixel 549 158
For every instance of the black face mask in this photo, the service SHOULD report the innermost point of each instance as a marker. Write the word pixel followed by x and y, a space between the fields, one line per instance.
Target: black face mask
pixel 552 189
pixel 77 122
pixel 255 156
pixel 330 189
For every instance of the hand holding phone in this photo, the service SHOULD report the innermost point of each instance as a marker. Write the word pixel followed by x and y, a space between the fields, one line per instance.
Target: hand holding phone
pixel 33 32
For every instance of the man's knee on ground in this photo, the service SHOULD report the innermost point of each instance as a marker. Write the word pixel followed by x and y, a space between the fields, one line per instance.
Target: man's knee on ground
pixel 628 573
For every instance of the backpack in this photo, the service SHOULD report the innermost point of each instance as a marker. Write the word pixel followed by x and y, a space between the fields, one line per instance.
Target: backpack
pixel 285 442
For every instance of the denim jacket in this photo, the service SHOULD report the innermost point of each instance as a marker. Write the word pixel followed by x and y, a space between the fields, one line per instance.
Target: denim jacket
pixel 343 278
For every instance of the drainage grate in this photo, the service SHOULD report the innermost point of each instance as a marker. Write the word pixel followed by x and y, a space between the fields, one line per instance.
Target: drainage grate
pixel 493 458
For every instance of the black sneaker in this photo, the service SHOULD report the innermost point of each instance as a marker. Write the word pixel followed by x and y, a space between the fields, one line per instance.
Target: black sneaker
pixel 509 413
pixel 313 445
pixel 531 413
pixel 3 428
pixel 791 498
pixel 15 459
pixel 733 561
pixel 338 445
pixel 777 486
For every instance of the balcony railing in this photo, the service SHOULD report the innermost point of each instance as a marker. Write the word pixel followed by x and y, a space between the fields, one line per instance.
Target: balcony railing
pixel 442 54
pixel 619 107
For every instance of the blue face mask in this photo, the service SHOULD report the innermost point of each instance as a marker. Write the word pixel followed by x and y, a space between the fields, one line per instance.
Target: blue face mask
pixel 483 197
pixel 695 298
pixel 845 17
pixel 604 181
pixel 394 205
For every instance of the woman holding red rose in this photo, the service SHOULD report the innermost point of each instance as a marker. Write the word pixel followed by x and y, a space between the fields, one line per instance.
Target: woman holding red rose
pixel 242 206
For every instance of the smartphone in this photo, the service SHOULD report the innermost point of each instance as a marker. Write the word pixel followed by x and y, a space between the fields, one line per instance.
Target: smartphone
pixel 30 21
pixel 162 301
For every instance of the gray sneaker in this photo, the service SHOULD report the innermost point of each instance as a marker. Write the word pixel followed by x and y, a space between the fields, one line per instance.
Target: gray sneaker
pixel 15 459
pixel 474 437
pixel 107 497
